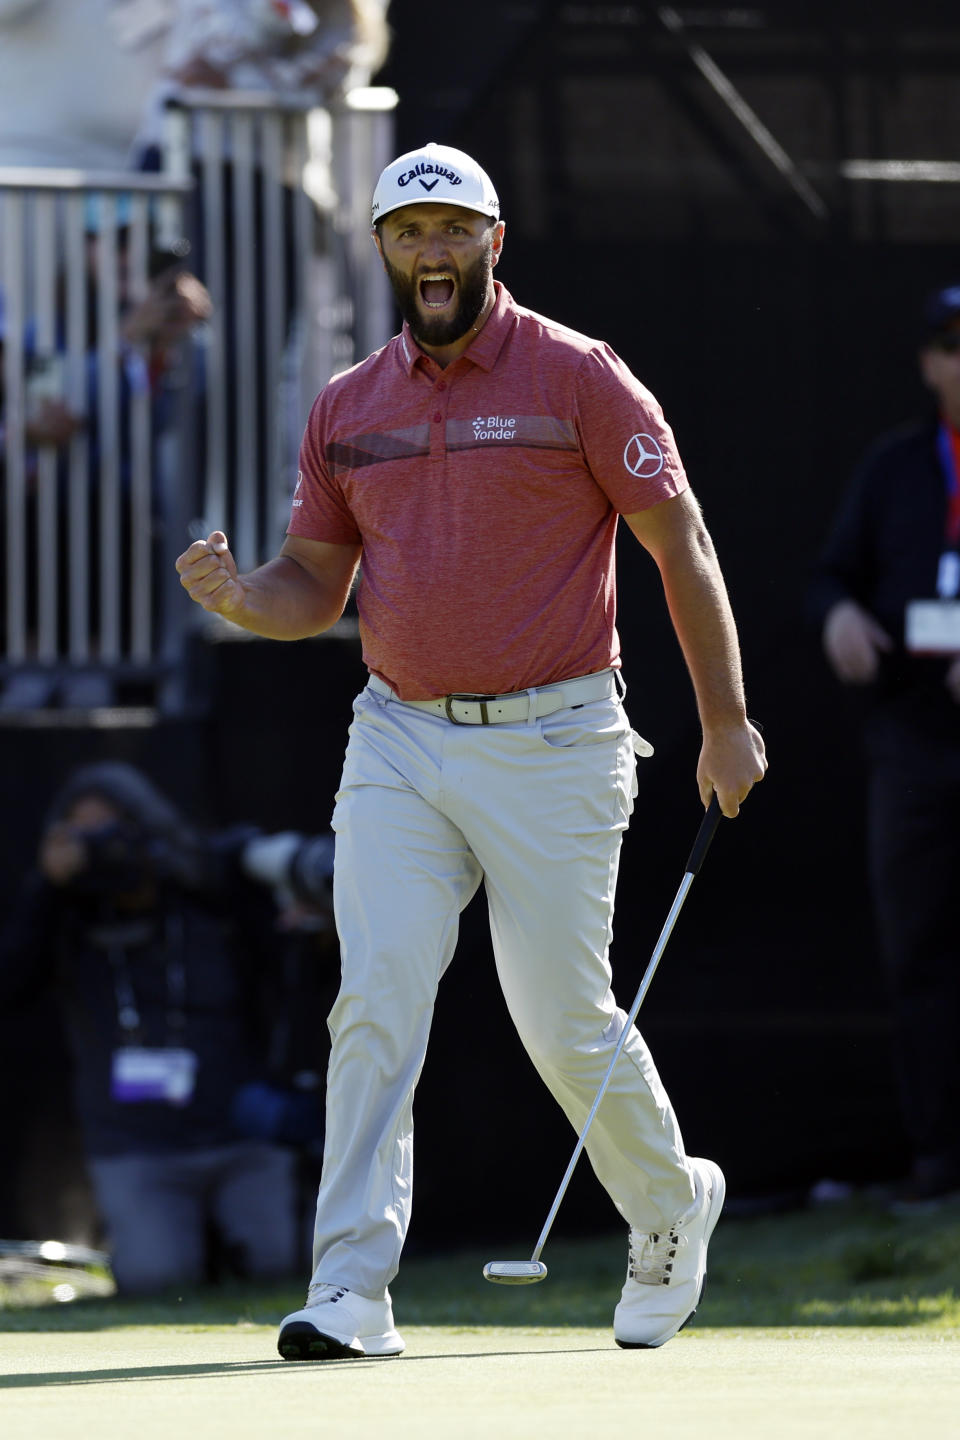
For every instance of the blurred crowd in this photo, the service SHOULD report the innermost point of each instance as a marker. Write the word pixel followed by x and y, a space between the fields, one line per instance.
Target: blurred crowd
pixel 83 85
pixel 84 90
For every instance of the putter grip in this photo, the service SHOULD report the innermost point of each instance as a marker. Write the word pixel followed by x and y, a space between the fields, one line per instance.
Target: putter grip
pixel 708 828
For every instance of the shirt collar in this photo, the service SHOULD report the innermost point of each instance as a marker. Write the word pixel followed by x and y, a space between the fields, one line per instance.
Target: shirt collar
pixel 482 351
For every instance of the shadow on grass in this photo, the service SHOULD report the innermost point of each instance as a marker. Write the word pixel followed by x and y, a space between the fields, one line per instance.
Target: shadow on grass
pixel 144 1372
pixel 231 1370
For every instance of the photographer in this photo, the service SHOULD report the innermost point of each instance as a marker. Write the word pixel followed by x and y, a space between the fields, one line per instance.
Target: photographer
pixel 162 953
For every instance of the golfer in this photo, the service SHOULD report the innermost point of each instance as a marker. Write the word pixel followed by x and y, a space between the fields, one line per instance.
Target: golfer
pixel 476 466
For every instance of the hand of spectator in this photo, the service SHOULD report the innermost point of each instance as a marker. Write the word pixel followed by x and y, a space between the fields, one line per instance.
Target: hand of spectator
pixel 853 641
pixel 296 917
pixel 63 854
pixel 325 73
pixel 208 573
pixel 51 422
pixel 175 302
pixel 201 74
pixel 952 679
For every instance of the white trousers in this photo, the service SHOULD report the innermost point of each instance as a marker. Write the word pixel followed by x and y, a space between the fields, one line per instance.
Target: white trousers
pixel 426 811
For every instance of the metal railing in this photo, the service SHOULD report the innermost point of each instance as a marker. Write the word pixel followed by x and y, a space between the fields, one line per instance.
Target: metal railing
pixel 80 517
pixel 266 200
pixel 283 246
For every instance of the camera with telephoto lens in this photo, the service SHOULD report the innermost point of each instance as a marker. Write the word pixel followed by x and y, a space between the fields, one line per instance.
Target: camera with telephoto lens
pixel 121 857
pixel 311 870
pixel 299 867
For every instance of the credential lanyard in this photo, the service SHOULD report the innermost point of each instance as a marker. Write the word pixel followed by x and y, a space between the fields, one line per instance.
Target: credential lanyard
pixel 948 571
pixel 128 1011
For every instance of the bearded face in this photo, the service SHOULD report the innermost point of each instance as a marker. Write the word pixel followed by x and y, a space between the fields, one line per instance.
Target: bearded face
pixel 440 305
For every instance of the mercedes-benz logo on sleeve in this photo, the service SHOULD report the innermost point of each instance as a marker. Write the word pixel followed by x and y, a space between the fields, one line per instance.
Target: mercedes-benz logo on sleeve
pixel 643 456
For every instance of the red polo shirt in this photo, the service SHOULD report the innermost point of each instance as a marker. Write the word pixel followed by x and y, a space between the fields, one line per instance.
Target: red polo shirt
pixel 485 496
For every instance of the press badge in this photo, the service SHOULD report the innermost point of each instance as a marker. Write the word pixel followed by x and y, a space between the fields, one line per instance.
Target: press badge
pixel 932 627
pixel 139 1074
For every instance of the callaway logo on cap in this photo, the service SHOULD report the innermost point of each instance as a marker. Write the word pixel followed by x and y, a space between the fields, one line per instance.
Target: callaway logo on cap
pixel 438 173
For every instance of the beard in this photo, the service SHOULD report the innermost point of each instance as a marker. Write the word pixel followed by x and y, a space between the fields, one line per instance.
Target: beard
pixel 472 287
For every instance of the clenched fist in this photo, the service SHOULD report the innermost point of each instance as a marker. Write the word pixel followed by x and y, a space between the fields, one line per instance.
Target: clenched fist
pixel 208 573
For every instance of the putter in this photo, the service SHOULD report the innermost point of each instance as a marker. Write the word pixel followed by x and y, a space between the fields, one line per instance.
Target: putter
pixel 528 1272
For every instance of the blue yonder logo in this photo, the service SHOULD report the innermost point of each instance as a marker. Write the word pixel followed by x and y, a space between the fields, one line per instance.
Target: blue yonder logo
pixel 494 427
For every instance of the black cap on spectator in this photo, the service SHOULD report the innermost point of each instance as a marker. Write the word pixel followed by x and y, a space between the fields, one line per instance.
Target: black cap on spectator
pixel 942 308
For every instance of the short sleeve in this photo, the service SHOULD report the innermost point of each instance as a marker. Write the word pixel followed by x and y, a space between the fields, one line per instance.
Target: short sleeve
pixel 319 510
pixel 627 443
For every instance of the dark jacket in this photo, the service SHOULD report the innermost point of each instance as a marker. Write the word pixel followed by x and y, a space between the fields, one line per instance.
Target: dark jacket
pixel 191 948
pixel 883 551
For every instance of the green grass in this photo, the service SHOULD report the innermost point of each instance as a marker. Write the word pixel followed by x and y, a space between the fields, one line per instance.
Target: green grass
pixel 848 1265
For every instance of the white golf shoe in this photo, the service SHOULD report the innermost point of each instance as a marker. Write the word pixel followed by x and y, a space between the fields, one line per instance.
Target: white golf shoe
pixel 666 1272
pixel 337 1324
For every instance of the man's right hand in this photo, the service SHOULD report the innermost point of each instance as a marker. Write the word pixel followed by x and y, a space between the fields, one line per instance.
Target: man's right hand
pixel 208 573
pixel 51 422
pixel 854 641
pixel 63 854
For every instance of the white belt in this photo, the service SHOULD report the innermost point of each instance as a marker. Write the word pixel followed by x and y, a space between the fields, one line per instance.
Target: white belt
pixel 520 706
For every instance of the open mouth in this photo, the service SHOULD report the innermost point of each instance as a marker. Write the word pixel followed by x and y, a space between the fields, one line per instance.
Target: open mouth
pixel 436 290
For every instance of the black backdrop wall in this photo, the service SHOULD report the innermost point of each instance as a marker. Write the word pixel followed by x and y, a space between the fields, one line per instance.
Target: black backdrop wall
pixel 778 347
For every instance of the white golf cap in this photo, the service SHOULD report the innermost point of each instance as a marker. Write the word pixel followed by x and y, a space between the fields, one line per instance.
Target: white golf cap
pixel 436 173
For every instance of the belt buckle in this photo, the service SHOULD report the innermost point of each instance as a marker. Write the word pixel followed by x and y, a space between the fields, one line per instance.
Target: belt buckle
pixel 480 700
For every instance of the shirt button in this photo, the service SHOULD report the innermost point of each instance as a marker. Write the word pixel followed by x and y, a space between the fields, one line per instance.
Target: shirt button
pixel 442 385
pixel 437 418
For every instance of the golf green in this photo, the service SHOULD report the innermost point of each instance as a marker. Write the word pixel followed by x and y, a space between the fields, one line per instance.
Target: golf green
pixel 483 1383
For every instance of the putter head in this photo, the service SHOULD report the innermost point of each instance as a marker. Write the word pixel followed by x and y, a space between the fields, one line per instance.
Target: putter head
pixel 515 1272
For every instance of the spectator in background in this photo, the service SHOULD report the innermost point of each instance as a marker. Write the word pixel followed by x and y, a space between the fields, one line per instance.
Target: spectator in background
pixel 82 85
pixel 149 330
pixel 76 82
pixel 281 45
pixel 884 596
pixel 157 945
pixel 75 77
pixel 157 314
